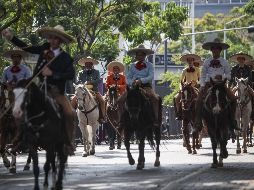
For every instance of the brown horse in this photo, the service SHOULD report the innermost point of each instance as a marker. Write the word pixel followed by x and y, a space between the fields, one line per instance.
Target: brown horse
pixel 8 127
pixel 113 118
pixel 188 101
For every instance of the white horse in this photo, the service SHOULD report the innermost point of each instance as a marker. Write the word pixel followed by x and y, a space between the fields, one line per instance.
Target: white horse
pixel 243 111
pixel 88 115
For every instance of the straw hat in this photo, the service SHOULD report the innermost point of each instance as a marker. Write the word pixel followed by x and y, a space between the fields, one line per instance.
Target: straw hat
pixel 216 43
pixel 140 48
pixel 186 56
pixel 198 63
pixel 234 57
pixel 56 31
pixel 113 64
pixel 14 51
pixel 84 60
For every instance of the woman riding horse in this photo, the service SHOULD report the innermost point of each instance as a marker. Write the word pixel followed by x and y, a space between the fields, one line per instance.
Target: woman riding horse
pixel 116 86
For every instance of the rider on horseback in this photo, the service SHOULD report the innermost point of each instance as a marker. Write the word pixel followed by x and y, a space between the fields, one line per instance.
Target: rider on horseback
pixel 218 69
pixel 190 74
pixel 241 70
pixel 141 74
pixel 115 78
pixel 91 78
pixel 57 73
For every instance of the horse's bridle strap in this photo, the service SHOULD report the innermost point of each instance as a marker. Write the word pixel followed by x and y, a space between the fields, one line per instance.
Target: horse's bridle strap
pixel 89 111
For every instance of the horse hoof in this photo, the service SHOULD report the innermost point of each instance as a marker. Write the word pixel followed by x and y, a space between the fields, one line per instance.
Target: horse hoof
pixel 157 164
pixel 245 151
pixel 84 155
pixel 111 147
pixel 189 151
pixel 194 152
pixel 214 165
pixel 131 161
pixel 92 152
pixel 140 166
pixel 26 168
pixel 238 151
pixel 118 147
pixel 12 170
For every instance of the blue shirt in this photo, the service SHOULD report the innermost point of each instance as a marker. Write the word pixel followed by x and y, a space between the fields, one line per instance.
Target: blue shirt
pixel 145 75
pixel 9 75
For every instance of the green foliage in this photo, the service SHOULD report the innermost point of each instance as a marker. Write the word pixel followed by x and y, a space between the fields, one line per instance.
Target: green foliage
pixel 249 7
pixel 174 80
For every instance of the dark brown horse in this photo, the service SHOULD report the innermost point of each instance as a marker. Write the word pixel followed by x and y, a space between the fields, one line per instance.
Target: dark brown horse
pixel 188 101
pixel 216 115
pixel 8 128
pixel 138 118
pixel 113 118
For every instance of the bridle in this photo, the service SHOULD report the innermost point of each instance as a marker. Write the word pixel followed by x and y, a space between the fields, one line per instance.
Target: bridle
pixel 187 102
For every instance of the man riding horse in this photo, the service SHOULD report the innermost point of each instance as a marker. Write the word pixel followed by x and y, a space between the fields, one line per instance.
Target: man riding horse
pixel 242 70
pixel 190 74
pixel 141 74
pixel 57 72
pixel 217 69
pixel 115 79
pixel 90 77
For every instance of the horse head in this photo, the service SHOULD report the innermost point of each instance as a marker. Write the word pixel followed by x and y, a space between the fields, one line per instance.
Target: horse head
pixel 134 102
pixel 188 95
pixel 83 95
pixel 242 90
pixel 217 98
pixel 112 93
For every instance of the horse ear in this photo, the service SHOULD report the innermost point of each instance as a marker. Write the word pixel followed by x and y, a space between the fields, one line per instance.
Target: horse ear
pixel 245 80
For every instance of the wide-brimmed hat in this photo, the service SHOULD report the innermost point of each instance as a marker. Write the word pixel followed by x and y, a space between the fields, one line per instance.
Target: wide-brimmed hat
pixel 198 63
pixel 113 64
pixel 14 51
pixel 216 43
pixel 234 57
pixel 84 60
pixel 186 56
pixel 58 31
pixel 140 48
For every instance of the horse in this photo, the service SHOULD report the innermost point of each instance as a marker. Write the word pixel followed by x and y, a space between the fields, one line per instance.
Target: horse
pixel 42 126
pixel 113 118
pixel 137 117
pixel 88 115
pixel 188 100
pixel 215 113
pixel 8 128
pixel 243 111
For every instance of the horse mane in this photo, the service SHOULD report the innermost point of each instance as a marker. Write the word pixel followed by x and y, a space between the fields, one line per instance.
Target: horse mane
pixel 88 92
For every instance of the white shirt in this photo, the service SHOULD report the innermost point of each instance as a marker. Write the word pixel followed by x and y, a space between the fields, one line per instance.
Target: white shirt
pixel 208 72
pixel 57 51
pixel 24 73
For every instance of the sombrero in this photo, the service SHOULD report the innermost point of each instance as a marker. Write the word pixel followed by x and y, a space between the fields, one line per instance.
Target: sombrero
pixel 234 57
pixel 186 56
pixel 140 48
pixel 56 31
pixel 15 51
pixel 215 43
pixel 198 63
pixel 84 60
pixel 113 64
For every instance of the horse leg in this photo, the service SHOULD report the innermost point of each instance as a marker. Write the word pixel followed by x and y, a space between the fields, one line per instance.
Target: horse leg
pixel 186 135
pixel 92 135
pixel 141 158
pixel 223 150
pixel 251 131
pixel 85 140
pixel 36 169
pixel 46 169
pixel 157 139
pixel 244 141
pixel 214 146
pixel 62 159
pixel 127 146
pixel 6 161
pixel 238 146
pixel 28 162
pixel 12 168
pixel 194 141
pixel 119 140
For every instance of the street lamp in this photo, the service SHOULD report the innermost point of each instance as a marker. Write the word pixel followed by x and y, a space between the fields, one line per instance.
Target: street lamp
pixel 225 35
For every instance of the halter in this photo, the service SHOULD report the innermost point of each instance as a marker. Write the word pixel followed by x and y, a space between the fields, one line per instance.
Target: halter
pixel 84 111
pixel 113 104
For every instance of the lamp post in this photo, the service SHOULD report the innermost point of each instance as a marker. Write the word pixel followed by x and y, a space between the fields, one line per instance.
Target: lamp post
pixel 225 34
